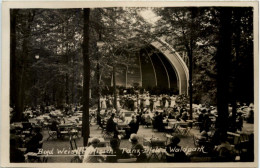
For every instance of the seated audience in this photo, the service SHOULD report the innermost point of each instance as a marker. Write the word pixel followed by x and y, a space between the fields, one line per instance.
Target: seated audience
pixel 116 151
pixel 91 155
pixel 111 125
pixel 148 120
pixel 174 152
pixel 184 116
pixel 137 149
pixel 171 115
pixel 133 125
pixel 224 151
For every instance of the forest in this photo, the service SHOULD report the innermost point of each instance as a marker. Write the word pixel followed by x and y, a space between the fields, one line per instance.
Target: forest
pixel 58 55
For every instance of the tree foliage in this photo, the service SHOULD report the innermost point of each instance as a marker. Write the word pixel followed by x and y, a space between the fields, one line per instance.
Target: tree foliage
pixel 56 36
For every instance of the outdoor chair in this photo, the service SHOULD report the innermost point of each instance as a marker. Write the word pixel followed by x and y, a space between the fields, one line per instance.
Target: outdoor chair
pixel 107 135
pixel 244 138
pixel 183 129
pixel 74 133
pixel 73 146
pixel 187 132
pixel 64 133
pixel 243 144
pixel 52 134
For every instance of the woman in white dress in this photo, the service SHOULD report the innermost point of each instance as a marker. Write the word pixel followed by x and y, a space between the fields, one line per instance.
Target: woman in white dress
pixel 118 103
pixel 143 102
pixel 166 103
pixel 103 103
pixel 147 101
pixel 173 98
pixel 157 102
pixel 139 103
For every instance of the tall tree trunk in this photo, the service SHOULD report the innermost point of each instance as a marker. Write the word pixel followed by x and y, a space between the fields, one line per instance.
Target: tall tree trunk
pixel 190 82
pixel 73 83
pixel 54 95
pixel 114 86
pixel 67 88
pixel 98 88
pixel 236 68
pixel 67 63
pixel 20 74
pixel 14 71
pixel 189 47
pixel 126 70
pixel 223 59
pixel 86 77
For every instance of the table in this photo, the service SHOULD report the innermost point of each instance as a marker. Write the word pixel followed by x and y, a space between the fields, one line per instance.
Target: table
pixel 122 126
pixel 176 123
pixel 236 137
pixel 68 129
pixel 169 120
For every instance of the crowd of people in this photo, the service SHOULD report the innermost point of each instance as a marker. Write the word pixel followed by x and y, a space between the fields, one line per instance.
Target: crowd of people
pixel 219 150
pixel 145 110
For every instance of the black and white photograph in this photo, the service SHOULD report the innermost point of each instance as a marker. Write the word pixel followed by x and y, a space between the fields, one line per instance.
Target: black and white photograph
pixel 121 84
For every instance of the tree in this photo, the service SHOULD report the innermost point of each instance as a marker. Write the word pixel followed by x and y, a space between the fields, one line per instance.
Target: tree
pixel 20 61
pixel 56 38
pixel 223 60
pixel 86 77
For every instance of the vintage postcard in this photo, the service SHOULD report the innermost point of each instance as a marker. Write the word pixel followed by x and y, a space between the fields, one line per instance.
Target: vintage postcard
pixel 107 83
